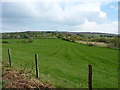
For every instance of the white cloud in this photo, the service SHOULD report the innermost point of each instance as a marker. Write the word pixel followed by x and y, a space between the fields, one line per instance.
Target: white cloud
pixel 53 12
pixel 9 28
pixel 114 7
pixel 60 0
pixel 102 15
pixel 71 16
pixel 111 27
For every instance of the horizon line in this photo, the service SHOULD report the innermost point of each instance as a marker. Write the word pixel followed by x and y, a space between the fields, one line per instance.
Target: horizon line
pixel 56 31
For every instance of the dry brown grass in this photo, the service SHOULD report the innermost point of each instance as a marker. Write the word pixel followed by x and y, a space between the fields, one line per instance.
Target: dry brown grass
pixel 101 44
pixel 17 80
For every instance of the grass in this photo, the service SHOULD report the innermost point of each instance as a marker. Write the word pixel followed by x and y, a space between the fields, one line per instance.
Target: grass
pixel 65 64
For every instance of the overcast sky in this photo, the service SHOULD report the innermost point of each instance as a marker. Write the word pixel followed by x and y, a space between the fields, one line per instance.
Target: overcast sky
pixel 61 16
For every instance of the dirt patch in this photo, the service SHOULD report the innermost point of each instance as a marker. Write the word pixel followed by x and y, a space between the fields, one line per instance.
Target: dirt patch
pixel 17 80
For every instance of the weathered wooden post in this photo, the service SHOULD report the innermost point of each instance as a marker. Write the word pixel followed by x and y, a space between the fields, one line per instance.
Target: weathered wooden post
pixel 9 57
pixel 36 64
pixel 90 77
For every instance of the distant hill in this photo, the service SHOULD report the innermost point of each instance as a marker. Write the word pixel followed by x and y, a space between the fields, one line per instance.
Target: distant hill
pixel 65 32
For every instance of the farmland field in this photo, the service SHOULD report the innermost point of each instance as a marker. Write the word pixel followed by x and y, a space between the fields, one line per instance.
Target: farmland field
pixel 65 64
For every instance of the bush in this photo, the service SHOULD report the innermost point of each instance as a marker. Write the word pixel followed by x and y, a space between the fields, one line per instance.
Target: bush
pixel 30 39
pixel 90 44
pixel 102 39
pixel 114 43
pixel 5 42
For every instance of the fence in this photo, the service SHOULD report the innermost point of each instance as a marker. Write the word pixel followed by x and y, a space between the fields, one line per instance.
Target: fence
pixel 37 70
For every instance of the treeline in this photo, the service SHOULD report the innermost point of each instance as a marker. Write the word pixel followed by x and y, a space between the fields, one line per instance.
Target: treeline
pixel 113 41
pixel 27 34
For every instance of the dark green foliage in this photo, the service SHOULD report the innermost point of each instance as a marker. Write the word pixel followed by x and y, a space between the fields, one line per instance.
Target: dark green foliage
pixel 90 44
pixel 5 42
pixel 4 82
pixel 100 39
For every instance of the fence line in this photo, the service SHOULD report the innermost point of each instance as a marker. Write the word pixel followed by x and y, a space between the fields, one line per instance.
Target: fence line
pixel 37 69
pixel 9 57
pixel 36 65
pixel 90 77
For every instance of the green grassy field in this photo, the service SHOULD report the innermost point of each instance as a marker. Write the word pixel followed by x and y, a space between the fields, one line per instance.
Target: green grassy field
pixel 65 64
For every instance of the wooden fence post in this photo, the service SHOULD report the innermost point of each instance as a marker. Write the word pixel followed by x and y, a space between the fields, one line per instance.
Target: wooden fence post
pixel 90 77
pixel 36 64
pixel 9 57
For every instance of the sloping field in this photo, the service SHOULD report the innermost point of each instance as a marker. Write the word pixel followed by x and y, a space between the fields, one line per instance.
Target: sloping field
pixel 65 64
